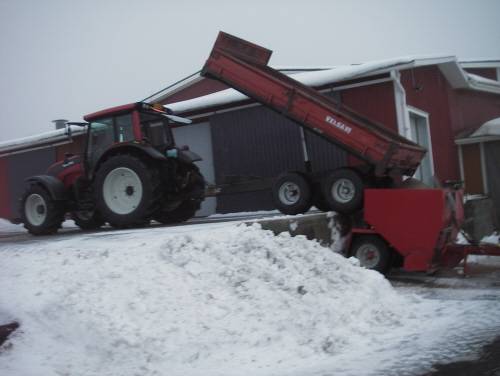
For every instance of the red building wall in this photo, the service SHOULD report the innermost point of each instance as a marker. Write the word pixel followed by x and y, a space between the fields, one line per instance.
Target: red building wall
pixel 490 73
pixel 471 109
pixel 428 90
pixel 451 112
pixel 375 102
pixel 203 87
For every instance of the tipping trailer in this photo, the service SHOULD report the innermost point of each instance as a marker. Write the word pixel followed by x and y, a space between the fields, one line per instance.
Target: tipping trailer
pixel 243 66
pixel 419 226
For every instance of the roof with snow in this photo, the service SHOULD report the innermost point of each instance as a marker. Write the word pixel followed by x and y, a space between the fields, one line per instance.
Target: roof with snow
pixel 489 131
pixel 40 140
pixel 449 65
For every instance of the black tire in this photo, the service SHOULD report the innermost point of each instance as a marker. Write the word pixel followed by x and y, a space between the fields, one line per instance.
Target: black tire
pixel 87 219
pixel 372 252
pixel 319 200
pixel 182 213
pixel 127 190
pixel 40 214
pixel 292 193
pixel 343 190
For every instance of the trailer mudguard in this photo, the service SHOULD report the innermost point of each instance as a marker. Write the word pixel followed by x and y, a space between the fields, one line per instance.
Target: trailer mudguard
pixel 54 186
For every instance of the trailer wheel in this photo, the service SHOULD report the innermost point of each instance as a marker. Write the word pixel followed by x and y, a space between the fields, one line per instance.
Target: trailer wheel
pixel 372 253
pixel 127 190
pixel 182 213
pixel 292 193
pixel 87 219
pixel 343 191
pixel 40 214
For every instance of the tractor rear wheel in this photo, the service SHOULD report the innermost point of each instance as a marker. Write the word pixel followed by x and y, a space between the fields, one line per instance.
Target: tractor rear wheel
pixel 182 213
pixel 343 190
pixel 127 190
pixel 372 253
pixel 188 207
pixel 87 219
pixel 292 193
pixel 40 214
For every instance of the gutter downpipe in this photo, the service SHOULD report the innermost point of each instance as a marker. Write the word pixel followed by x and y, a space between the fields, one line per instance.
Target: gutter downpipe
pixel 402 114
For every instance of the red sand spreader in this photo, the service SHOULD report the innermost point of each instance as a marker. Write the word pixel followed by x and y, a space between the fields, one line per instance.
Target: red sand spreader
pixel 420 225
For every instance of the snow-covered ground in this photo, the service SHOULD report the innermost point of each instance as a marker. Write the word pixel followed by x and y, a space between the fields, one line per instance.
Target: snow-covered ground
pixel 7 227
pixel 221 299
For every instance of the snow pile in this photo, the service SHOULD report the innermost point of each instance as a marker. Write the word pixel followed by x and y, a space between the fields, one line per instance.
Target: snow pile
pixel 8 227
pixel 198 302
pixel 492 239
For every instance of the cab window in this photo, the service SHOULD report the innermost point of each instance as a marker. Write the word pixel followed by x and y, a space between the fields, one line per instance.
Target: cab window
pixel 124 129
pixel 101 137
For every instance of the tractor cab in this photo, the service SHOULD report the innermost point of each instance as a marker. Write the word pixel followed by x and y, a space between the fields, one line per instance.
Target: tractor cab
pixel 140 124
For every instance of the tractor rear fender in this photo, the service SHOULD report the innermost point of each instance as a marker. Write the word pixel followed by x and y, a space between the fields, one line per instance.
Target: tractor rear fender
pixel 188 156
pixel 132 148
pixel 54 186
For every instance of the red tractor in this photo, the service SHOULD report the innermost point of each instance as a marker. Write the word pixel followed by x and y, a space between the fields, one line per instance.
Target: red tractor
pixel 130 172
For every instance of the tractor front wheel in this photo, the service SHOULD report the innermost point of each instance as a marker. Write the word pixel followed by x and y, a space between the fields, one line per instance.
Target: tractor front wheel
pixel 127 190
pixel 40 214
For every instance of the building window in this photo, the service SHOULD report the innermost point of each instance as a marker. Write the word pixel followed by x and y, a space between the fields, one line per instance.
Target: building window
pixel 420 134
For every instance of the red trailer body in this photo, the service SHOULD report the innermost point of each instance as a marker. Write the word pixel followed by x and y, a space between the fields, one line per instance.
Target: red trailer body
pixel 242 65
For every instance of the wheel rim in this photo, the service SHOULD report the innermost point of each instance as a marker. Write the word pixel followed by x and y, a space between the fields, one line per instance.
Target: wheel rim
pixel 289 193
pixel 368 256
pixel 35 209
pixel 343 190
pixel 122 190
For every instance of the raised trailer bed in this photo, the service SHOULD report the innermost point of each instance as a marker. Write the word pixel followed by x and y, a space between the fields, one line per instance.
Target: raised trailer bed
pixel 243 66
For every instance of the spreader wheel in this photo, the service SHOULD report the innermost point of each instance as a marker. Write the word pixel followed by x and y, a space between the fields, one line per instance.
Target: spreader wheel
pixel 372 253
pixel 343 190
pixel 292 193
pixel 41 214
pixel 127 190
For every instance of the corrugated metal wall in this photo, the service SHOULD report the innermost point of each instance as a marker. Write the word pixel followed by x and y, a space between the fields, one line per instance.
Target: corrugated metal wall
pixel 21 166
pixel 259 142
pixel 5 205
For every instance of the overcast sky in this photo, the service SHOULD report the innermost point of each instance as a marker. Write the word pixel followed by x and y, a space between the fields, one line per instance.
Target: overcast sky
pixel 64 58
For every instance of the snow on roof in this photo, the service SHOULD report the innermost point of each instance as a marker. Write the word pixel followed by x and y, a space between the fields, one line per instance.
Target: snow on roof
pixel 449 65
pixel 40 139
pixel 490 128
pixel 489 131
pixel 480 63
pixel 475 79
